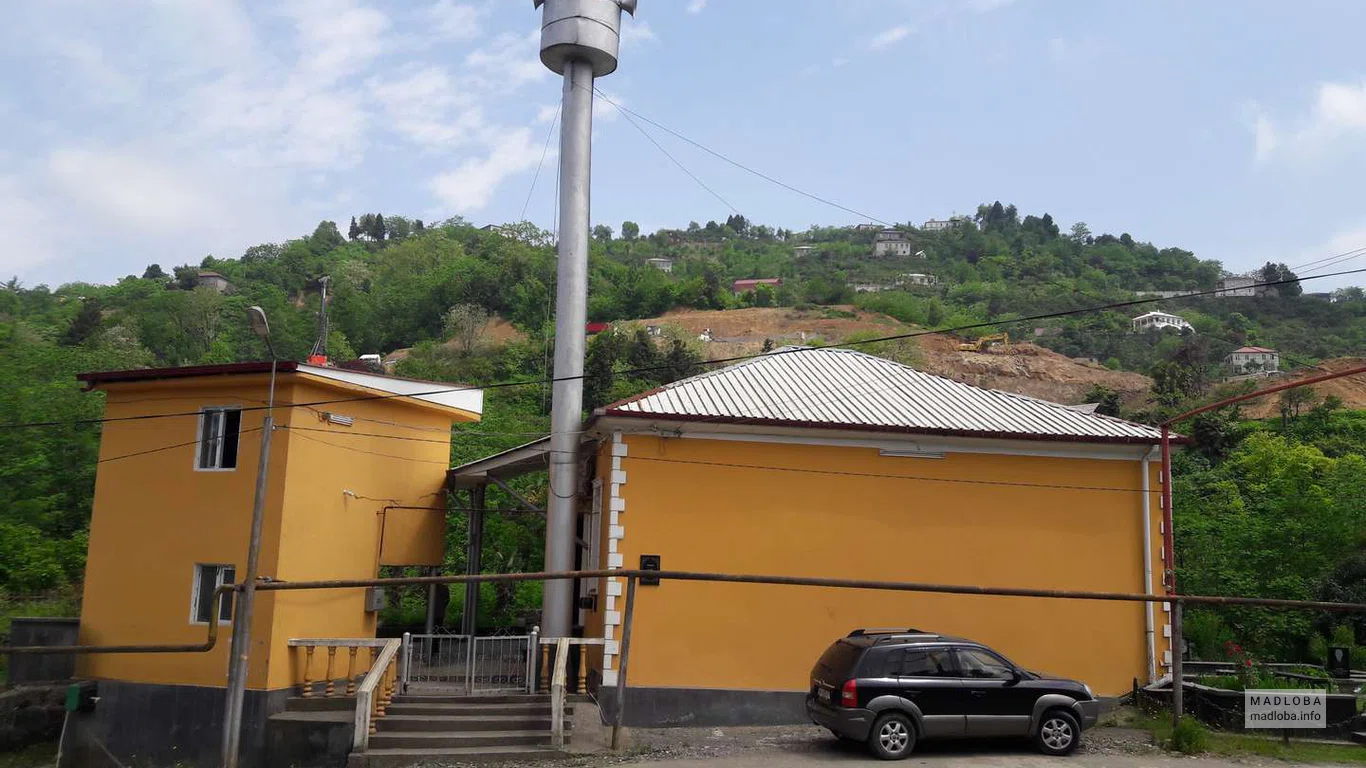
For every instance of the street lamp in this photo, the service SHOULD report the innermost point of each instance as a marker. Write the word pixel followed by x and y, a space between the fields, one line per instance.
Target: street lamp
pixel 241 625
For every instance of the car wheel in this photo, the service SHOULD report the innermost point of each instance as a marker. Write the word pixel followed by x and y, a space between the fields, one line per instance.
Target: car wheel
pixel 892 737
pixel 1059 733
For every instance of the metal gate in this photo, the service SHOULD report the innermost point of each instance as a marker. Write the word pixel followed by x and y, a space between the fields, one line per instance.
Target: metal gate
pixel 464 665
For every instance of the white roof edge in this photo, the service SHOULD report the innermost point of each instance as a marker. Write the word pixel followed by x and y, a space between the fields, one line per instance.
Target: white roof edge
pixel 464 398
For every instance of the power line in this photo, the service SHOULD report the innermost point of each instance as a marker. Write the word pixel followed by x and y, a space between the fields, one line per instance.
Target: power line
pixel 675 160
pixel 738 164
pixel 544 153
pixel 166 448
pixel 720 361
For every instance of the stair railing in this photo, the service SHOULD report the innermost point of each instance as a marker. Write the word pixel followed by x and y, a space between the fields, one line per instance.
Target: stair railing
pixel 375 694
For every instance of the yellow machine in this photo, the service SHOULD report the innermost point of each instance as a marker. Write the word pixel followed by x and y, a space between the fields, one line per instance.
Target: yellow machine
pixel 985 342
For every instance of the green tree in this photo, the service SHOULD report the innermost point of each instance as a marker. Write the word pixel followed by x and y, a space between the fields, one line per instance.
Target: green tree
pixel 86 322
pixel 354 230
pixel 602 233
pixel 630 230
pixel 154 272
pixel 1107 399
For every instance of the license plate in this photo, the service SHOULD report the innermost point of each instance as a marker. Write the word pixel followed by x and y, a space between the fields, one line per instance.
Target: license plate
pixel 823 694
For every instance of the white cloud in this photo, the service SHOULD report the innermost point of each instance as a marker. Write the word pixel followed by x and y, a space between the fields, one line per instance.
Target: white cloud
pixel 838 62
pixel 471 185
pixel 1338 113
pixel 889 37
pixel 696 6
pixel 427 107
pixel 636 32
pixel 337 38
pixel 138 192
pixel 509 61
pixel 986 6
pixel 28 226
pixel 547 113
pixel 453 21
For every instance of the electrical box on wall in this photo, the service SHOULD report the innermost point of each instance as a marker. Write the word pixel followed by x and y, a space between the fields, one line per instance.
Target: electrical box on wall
pixel 650 563
pixel 374 599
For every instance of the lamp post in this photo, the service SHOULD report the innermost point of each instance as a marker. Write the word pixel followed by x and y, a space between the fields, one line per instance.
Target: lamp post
pixel 241 623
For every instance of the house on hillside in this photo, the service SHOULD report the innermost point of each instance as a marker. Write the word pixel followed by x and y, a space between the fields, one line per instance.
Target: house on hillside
pixel 1236 286
pixel 745 286
pixel 349 490
pixel 891 242
pixel 213 281
pixel 1253 360
pixel 939 225
pixel 663 263
pixel 919 280
pixel 1160 321
pixel 803 251
pixel 830 462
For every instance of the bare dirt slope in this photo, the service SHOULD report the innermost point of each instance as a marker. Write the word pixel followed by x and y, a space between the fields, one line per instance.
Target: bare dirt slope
pixel 1024 369
pixel 1351 389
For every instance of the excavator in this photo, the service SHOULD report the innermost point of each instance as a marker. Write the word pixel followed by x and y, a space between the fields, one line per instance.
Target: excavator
pixel 986 342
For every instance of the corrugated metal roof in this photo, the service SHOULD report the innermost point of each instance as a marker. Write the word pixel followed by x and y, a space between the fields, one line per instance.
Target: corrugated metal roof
pixel 826 387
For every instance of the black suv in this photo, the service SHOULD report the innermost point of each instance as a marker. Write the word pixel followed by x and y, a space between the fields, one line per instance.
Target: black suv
pixel 890 687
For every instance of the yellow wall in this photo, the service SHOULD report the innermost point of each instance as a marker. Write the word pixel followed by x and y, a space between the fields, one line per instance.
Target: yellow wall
pixel 805 522
pixel 330 534
pixel 154 517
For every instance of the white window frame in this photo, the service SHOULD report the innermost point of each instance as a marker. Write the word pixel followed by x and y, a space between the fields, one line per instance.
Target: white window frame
pixel 199 439
pixel 195 589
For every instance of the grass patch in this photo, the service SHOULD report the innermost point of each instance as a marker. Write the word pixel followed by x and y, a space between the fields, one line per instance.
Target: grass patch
pixel 1269 745
pixel 33 756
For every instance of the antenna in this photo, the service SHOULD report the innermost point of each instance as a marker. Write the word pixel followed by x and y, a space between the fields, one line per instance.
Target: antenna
pixel 580 40
pixel 319 354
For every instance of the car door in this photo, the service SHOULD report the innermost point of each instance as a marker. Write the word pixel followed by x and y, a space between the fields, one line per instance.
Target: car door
pixel 997 705
pixel 930 681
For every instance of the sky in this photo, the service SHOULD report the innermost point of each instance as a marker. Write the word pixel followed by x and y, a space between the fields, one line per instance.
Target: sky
pixel 141 131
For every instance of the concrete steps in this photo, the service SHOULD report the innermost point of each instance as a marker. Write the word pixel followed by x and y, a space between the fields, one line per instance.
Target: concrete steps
pixel 403 758
pixel 419 729
pixel 458 740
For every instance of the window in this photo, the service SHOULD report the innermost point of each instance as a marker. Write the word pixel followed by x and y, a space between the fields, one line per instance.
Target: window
pixel 207 578
pixel 980 664
pixel 219 430
pixel 930 662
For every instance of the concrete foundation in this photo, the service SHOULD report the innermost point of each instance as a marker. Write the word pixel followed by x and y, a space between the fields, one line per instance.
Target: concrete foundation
pixel 697 707
pixel 141 724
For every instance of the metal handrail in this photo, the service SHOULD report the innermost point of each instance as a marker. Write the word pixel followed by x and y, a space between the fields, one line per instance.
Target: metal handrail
pixel 365 695
pixel 339 642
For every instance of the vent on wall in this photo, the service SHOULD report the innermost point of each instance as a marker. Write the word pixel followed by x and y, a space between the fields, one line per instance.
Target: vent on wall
pixel 338 419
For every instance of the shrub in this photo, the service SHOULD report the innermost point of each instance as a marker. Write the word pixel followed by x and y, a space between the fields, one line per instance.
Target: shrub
pixel 1189 737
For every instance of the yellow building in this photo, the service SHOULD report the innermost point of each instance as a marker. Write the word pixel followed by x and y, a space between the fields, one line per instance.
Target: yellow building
pixel 356 471
pixel 834 463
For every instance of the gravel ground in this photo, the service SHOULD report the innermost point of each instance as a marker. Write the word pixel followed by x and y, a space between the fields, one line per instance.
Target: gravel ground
pixel 781 747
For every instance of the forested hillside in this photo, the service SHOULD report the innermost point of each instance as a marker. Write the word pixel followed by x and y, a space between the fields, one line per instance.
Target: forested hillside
pixel 432 291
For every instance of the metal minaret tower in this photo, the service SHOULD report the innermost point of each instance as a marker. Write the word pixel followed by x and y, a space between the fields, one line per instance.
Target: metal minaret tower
pixel 580 40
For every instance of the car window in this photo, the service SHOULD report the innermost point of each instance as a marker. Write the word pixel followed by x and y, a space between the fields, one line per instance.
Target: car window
pixel 977 663
pixel 840 658
pixel 927 662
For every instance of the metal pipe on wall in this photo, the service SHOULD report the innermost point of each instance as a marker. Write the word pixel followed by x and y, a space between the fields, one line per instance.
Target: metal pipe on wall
pixel 571 316
pixel 1148 565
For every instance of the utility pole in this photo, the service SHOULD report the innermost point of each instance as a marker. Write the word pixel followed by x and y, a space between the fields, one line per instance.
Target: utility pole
pixel 580 40
pixel 242 612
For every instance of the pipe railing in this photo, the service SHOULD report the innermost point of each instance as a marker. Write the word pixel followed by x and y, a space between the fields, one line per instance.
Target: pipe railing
pixel 375 694
pixel 378 686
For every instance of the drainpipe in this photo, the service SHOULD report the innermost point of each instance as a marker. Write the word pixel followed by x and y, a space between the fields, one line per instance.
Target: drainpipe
pixel 1168 539
pixel 1148 563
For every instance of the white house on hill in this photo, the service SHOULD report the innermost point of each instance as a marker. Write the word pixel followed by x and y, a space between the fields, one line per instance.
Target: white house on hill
pixel 1161 321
